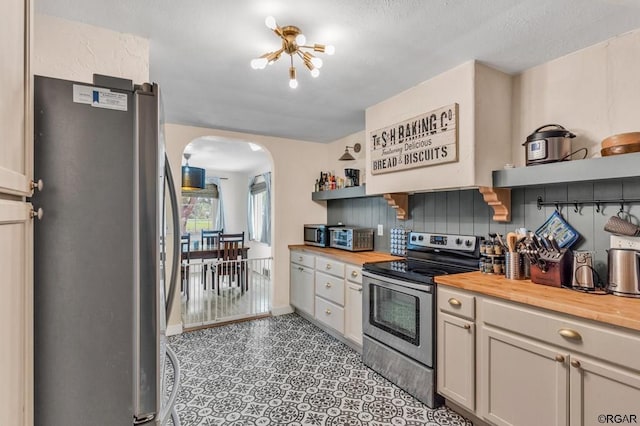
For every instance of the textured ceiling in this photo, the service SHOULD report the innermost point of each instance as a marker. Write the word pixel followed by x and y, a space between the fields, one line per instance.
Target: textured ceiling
pixel 200 51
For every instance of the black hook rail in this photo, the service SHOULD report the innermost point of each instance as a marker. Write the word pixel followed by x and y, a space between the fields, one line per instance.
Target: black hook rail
pixel 578 203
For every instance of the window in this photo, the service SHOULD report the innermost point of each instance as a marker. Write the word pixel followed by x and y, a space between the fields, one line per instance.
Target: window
pixel 258 205
pixel 199 209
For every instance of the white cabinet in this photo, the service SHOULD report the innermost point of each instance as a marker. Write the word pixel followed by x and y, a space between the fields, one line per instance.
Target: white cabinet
pixel 530 366
pixel 302 293
pixel 353 304
pixel 16 238
pixel 456 347
pixel 330 291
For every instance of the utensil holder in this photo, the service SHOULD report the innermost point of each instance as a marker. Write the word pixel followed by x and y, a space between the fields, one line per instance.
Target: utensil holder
pixel 556 271
pixel 514 266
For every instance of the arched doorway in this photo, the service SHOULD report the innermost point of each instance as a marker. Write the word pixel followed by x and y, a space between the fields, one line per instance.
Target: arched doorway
pixel 236 199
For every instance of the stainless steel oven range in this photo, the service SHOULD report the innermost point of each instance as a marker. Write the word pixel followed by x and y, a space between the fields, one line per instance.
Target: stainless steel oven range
pixel 399 309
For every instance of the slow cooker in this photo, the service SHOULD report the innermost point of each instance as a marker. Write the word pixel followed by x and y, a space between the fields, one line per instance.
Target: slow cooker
pixel 548 146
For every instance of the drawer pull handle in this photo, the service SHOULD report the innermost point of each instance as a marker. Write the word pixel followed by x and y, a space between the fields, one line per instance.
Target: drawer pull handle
pixel 455 302
pixel 300 268
pixel 328 266
pixel 466 327
pixel 575 363
pixel 360 290
pixel 560 358
pixel 328 285
pixel 354 273
pixel 300 258
pixel 327 311
pixel 570 334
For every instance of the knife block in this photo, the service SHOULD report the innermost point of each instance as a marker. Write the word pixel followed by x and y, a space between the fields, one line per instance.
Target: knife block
pixel 557 272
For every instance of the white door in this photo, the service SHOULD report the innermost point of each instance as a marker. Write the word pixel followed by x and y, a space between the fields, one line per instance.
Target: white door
pixel 16 239
pixel 353 313
pixel 523 382
pixel 602 393
pixel 302 291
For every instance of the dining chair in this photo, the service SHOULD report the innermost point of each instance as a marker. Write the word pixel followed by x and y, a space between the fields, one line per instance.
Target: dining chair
pixel 185 247
pixel 208 240
pixel 230 261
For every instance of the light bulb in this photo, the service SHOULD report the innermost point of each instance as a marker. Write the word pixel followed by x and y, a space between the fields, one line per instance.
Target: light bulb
pixel 301 39
pixel 293 83
pixel 259 63
pixel 329 49
pixel 315 72
pixel 317 62
pixel 270 22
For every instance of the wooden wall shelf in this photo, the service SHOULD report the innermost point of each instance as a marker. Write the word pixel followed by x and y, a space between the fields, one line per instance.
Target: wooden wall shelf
pixel 337 194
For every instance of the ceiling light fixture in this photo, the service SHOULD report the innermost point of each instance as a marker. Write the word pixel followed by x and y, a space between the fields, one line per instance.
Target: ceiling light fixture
pixel 292 42
pixel 192 177
pixel 347 155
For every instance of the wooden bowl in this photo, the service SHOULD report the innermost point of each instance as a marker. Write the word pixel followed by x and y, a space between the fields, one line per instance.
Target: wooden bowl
pixel 620 149
pixel 621 139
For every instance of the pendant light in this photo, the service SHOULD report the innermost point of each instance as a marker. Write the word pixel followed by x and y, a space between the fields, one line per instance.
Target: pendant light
pixel 192 177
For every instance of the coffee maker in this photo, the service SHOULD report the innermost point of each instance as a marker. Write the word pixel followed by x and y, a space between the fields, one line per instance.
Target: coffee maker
pixel 353 177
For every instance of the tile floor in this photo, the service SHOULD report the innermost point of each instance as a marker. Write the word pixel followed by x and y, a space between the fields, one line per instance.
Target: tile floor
pixel 286 371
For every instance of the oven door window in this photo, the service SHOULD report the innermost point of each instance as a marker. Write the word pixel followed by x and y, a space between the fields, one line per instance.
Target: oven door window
pixel 396 313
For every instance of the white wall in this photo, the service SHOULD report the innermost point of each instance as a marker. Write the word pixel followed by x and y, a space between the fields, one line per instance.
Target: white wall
pixel 483 134
pixel 74 51
pixel 234 193
pixel 594 92
pixel 336 149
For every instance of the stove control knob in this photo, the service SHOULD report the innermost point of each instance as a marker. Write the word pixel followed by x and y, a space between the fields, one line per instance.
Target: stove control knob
pixel 468 243
pixel 420 238
pixel 458 241
pixel 413 238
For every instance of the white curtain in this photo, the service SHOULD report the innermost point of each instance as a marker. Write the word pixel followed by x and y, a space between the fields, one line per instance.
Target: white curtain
pixel 250 207
pixel 219 224
pixel 266 217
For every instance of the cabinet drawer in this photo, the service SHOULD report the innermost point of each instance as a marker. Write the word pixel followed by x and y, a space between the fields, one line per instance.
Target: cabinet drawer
pixel 354 273
pixel 301 258
pixel 330 266
pixel 456 303
pixel 330 314
pixel 331 288
pixel 613 344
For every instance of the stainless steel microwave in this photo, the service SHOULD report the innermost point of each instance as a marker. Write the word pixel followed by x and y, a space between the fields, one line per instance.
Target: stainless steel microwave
pixel 316 235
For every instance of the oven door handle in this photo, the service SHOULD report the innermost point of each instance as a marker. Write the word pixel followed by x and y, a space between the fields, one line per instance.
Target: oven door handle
pixel 427 288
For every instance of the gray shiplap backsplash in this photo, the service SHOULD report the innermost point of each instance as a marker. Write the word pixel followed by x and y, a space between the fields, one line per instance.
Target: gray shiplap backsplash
pixel 465 212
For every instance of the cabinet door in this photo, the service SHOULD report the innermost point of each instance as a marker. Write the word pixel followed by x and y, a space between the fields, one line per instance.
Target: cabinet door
pixel 16 314
pixel 302 292
pixel 353 313
pixel 600 389
pixel 15 104
pixel 456 360
pixel 523 382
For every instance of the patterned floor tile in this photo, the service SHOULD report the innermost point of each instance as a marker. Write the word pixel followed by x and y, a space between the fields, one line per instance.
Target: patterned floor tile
pixel 285 371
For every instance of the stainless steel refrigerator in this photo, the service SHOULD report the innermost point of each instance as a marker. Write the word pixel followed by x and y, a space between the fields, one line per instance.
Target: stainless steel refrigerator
pixel 100 294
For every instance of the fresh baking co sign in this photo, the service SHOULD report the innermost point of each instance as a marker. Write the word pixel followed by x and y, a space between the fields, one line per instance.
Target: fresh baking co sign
pixel 425 140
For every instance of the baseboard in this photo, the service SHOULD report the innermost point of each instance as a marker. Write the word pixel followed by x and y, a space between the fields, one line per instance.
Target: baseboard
pixel 282 310
pixel 174 329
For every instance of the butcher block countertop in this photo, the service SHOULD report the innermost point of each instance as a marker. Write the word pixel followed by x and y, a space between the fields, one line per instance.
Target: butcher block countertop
pixel 609 309
pixel 355 258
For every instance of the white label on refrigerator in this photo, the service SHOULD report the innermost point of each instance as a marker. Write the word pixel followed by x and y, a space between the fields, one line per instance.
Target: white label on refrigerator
pixel 99 98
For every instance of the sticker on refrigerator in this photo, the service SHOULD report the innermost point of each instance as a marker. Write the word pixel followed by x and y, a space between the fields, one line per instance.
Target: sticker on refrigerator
pixel 99 98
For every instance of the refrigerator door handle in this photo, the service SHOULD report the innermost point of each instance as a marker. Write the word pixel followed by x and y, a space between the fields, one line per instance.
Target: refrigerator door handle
pixel 175 214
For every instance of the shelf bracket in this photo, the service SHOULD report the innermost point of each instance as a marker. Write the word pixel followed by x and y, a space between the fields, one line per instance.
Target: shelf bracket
pixel 500 200
pixel 400 202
